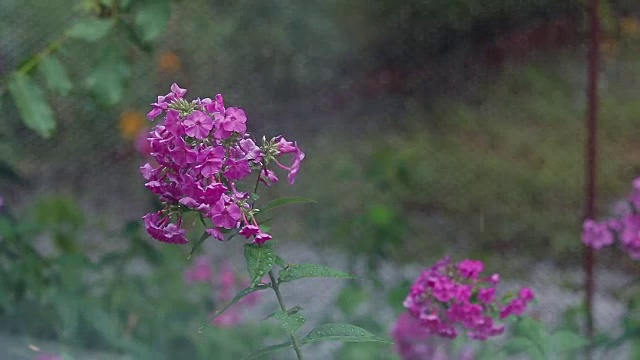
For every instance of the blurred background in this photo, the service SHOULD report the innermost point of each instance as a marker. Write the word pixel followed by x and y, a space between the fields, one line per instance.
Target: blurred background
pixel 430 128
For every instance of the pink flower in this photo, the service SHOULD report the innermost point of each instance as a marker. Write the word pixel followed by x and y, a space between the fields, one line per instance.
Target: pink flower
pixel 200 271
pixel 198 125
pixel 596 235
pixel 233 120
pixel 160 229
pixel 199 160
pixel 470 268
pixel 450 296
pixel 49 356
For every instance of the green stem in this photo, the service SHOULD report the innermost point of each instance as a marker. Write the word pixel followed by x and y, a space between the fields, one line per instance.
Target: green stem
pixel 34 60
pixel 276 288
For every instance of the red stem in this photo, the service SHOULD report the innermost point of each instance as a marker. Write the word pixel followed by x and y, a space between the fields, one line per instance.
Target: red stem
pixel 591 147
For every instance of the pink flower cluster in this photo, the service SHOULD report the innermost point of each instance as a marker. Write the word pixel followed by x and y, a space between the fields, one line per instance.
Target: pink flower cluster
pixel 624 226
pixel 201 151
pixel 413 341
pixel 225 285
pixel 447 296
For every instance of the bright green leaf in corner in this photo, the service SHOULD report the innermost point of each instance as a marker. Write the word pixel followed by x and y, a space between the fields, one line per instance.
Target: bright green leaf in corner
pixel 91 29
pixel 32 105
pixel 108 80
pixel 55 74
pixel 151 18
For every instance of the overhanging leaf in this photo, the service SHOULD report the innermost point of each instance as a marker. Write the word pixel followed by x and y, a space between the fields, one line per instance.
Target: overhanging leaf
pixel 284 201
pixel 290 321
pixel 298 271
pixel 108 80
pixel 151 18
pixel 260 259
pixel 90 29
pixel 240 295
pixel 32 105
pixel 55 74
pixel 265 350
pixel 341 332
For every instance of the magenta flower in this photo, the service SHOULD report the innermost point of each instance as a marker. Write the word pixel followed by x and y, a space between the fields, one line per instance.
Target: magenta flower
pixel 596 235
pixel 173 123
pixel 200 271
pixel 198 125
pixel 470 268
pixel 177 91
pixel 226 285
pixel 233 120
pixel 450 296
pixel 226 213
pixel 158 108
pixel 200 152
pixel 162 230
pixel 210 161
pixel 286 147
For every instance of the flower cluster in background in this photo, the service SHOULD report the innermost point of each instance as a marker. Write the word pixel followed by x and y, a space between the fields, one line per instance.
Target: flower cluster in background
pixel 224 285
pixel 201 151
pixel 449 296
pixel 623 227
pixel 413 341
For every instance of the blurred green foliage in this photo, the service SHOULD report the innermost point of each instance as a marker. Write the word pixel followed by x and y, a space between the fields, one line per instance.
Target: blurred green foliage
pixel 130 301
pixel 501 173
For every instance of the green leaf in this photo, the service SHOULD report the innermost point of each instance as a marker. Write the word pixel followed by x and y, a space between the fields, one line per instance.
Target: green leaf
pixel 519 345
pixel 351 297
pixel 265 350
pixel 284 201
pixel 108 80
pixel 342 332
pixel 298 271
pixel 55 74
pixel 281 262
pixel 32 105
pixel 260 259
pixel 290 321
pixel 565 340
pixel 240 295
pixel 151 18
pixel 90 29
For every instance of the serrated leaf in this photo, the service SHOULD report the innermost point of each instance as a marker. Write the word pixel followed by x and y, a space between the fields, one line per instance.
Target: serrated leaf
pixel 90 29
pixel 238 297
pixel 291 322
pixel 265 350
pixel 284 201
pixel 565 340
pixel 55 74
pixel 298 271
pixel 260 259
pixel 32 105
pixel 281 262
pixel 151 18
pixel 341 332
pixel 108 80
